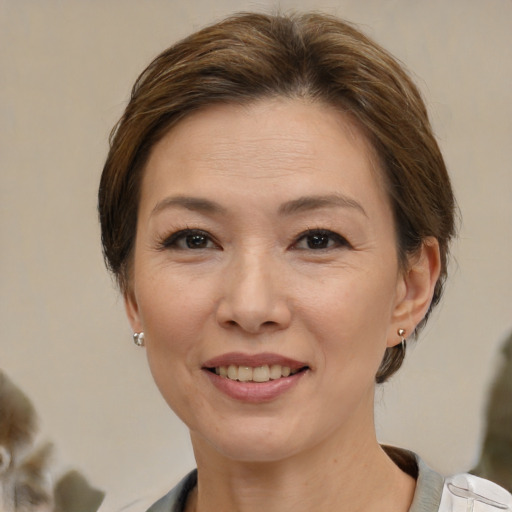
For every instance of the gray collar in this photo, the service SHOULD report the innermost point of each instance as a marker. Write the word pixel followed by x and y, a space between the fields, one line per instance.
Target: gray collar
pixel 427 497
pixel 429 488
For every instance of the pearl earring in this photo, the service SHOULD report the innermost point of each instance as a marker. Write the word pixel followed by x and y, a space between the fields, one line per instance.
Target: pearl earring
pixel 138 339
pixel 401 333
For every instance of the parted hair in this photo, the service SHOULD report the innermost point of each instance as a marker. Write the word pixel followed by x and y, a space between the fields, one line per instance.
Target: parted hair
pixel 313 56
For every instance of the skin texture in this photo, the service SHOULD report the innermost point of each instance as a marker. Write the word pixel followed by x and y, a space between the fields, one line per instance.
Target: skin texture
pixel 253 176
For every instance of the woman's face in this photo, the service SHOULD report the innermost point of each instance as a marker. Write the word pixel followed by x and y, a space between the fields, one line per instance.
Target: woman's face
pixel 266 250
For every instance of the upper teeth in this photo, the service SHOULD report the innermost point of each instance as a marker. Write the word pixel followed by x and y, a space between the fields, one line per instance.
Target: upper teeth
pixel 258 374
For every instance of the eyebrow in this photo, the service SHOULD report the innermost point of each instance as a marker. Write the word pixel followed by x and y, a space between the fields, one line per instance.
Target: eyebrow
pixel 307 203
pixel 302 204
pixel 197 204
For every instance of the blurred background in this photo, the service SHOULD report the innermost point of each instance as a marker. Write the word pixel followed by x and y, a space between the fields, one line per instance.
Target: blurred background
pixel 66 69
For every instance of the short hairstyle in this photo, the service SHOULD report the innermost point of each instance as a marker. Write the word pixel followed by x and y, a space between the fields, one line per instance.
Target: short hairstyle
pixel 314 56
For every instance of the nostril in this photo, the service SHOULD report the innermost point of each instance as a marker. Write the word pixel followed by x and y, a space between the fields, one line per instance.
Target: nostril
pixel 252 316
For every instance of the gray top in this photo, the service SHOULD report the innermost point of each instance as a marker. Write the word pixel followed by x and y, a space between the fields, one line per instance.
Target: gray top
pixel 427 498
pixel 429 488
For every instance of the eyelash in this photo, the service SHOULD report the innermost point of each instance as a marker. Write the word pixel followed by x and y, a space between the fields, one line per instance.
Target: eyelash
pixel 185 235
pixel 173 241
pixel 331 236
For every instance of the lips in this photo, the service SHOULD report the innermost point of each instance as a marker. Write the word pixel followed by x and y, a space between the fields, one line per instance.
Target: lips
pixel 254 378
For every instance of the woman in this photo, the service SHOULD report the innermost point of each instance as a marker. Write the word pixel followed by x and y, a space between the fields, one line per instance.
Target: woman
pixel 278 214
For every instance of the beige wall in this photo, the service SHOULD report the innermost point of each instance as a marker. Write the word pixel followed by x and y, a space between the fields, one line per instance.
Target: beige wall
pixel 66 70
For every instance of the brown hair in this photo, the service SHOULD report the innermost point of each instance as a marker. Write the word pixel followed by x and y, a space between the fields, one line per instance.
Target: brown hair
pixel 314 56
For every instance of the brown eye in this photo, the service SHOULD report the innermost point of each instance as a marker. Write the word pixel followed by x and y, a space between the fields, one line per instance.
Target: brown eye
pixel 319 239
pixel 196 241
pixel 186 239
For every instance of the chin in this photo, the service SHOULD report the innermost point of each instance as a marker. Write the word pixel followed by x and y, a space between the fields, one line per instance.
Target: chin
pixel 253 444
pixel 255 453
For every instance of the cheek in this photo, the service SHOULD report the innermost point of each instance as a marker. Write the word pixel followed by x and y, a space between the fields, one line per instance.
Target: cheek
pixel 176 320
pixel 351 317
pixel 173 307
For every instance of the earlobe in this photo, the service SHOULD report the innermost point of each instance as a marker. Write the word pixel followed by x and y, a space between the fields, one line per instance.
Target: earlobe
pixel 417 287
pixel 132 310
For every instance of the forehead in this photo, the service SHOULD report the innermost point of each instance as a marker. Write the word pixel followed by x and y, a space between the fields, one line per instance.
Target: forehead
pixel 280 141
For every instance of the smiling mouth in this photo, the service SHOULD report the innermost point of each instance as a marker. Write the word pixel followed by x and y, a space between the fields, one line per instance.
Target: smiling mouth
pixel 264 373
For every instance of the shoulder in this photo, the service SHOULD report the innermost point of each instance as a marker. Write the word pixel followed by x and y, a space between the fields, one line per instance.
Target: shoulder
pixel 458 493
pixel 173 501
pixel 141 504
pixel 464 492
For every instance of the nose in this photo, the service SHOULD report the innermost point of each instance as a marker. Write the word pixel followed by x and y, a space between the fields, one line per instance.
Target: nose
pixel 254 296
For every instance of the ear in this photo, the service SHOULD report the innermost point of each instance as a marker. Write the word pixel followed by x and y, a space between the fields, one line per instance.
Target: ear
pixel 415 289
pixel 132 309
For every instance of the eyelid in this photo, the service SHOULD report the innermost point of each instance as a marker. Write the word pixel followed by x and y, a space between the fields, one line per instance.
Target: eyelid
pixel 340 240
pixel 170 241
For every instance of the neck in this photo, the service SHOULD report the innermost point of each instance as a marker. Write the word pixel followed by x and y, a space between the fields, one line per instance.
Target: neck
pixel 338 475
